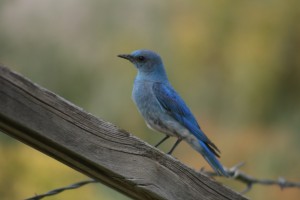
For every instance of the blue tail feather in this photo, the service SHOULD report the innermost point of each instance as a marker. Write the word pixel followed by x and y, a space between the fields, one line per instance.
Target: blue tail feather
pixel 212 160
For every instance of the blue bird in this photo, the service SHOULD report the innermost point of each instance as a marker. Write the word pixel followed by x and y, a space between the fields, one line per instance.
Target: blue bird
pixel 164 110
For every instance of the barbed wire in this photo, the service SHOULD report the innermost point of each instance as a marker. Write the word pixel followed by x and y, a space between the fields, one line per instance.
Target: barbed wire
pixel 238 175
pixel 59 190
pixel 233 172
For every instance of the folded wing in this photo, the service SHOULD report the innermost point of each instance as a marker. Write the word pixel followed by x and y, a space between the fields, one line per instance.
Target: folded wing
pixel 174 105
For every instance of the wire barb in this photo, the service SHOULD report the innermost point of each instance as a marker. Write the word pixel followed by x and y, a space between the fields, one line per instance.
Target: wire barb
pixel 238 175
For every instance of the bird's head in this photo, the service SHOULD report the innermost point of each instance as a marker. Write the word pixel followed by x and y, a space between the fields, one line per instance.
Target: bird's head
pixel 148 63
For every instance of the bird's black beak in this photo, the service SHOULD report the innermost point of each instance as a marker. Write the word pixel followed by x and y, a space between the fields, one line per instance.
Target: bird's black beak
pixel 126 56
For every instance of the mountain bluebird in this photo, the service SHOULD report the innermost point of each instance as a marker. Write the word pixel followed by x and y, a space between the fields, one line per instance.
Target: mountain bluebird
pixel 164 110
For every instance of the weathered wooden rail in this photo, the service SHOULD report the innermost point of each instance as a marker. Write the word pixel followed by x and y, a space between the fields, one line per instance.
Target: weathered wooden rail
pixel 99 149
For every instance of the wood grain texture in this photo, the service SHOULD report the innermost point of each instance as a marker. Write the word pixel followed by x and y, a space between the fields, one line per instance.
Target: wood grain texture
pixel 97 148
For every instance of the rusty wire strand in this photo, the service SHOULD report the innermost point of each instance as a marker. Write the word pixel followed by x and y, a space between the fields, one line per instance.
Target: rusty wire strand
pixel 59 190
pixel 234 173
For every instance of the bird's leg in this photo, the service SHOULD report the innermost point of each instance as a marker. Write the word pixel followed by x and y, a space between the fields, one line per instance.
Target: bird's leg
pixel 164 139
pixel 175 145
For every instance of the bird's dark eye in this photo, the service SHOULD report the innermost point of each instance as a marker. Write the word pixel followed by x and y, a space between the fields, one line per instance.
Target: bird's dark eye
pixel 141 58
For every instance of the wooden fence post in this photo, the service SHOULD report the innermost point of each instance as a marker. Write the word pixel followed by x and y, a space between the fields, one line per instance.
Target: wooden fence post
pixel 99 149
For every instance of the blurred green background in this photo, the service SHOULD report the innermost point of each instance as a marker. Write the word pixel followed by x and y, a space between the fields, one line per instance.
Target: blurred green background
pixel 236 64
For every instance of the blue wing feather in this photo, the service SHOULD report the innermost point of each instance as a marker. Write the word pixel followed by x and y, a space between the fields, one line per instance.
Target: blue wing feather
pixel 174 105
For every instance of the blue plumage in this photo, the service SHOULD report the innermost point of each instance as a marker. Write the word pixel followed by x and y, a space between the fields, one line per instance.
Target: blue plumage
pixel 164 110
pixel 175 106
